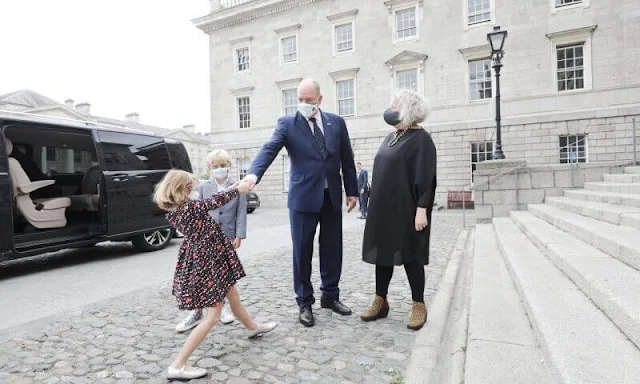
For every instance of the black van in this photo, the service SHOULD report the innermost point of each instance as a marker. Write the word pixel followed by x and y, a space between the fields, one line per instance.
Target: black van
pixel 69 184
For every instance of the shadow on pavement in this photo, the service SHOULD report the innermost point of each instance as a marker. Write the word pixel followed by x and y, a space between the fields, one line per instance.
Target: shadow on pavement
pixel 70 257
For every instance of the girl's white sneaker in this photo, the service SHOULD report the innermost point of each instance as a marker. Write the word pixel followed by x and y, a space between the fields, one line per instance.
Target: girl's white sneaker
pixel 262 328
pixel 185 373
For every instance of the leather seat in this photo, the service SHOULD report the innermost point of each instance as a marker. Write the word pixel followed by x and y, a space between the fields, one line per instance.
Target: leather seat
pixel 41 213
pixel 90 198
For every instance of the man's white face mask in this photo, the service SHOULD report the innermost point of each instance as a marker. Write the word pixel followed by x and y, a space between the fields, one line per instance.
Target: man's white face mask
pixel 307 110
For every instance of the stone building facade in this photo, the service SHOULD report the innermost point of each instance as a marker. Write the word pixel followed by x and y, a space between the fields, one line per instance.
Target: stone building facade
pixel 570 83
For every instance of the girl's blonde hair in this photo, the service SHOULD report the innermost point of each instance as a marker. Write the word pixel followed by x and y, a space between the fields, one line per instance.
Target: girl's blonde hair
pixel 173 190
pixel 218 157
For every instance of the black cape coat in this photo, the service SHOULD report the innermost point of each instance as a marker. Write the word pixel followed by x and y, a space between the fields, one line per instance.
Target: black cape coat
pixel 404 178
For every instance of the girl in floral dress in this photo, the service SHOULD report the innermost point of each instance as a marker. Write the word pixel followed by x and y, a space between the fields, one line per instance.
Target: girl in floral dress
pixel 208 266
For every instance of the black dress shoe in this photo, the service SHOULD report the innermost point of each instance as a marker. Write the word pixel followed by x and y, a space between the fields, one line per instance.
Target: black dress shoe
pixel 306 317
pixel 336 306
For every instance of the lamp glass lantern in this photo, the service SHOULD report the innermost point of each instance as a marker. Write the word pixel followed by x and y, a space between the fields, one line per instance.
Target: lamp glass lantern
pixel 496 39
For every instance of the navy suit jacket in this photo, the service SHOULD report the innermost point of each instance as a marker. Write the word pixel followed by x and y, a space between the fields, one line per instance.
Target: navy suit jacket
pixel 363 181
pixel 308 167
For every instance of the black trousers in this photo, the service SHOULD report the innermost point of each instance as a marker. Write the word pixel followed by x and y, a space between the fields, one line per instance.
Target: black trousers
pixel 415 274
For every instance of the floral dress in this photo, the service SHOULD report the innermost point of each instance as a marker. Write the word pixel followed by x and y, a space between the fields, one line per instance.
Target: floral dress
pixel 208 265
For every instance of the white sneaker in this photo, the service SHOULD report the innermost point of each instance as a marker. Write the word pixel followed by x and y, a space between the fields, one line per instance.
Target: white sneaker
pixel 185 373
pixel 262 328
pixel 227 316
pixel 190 321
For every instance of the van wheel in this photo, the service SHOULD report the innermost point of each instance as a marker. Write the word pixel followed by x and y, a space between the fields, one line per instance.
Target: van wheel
pixel 152 241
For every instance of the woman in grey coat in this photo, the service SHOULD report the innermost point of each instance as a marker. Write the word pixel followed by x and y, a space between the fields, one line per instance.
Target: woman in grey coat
pixel 232 217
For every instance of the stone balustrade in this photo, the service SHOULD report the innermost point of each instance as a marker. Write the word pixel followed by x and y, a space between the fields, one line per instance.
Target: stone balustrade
pixel 502 186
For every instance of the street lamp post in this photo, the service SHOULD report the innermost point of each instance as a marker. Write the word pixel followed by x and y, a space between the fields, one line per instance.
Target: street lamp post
pixel 496 39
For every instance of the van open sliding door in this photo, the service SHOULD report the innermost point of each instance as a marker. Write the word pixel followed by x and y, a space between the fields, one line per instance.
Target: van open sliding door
pixel 6 205
pixel 132 165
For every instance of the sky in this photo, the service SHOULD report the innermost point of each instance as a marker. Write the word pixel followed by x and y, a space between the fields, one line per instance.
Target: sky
pixel 120 56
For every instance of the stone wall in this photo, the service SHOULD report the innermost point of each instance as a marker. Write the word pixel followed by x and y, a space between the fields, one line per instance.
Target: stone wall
pixel 502 186
pixel 531 139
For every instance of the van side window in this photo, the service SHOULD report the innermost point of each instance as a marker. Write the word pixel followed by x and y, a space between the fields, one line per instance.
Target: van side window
pixel 131 152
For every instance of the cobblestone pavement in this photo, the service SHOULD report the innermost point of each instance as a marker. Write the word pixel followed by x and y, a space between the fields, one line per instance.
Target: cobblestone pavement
pixel 131 338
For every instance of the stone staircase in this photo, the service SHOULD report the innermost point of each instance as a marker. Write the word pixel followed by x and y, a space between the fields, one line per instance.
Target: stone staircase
pixel 555 296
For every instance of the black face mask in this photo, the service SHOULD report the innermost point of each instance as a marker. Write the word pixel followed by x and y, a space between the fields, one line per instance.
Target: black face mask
pixel 392 117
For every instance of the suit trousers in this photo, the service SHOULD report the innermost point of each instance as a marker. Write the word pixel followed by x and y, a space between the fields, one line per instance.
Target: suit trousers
pixel 364 203
pixel 303 230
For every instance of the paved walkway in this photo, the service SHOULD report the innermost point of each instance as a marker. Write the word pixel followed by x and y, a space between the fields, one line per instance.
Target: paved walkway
pixel 130 338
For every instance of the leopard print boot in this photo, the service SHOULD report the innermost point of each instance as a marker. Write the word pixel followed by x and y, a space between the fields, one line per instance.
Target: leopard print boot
pixel 418 316
pixel 378 310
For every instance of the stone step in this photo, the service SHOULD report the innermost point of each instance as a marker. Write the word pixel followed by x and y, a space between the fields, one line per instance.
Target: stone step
pixel 619 242
pixel 501 345
pixel 623 178
pixel 611 213
pixel 635 170
pixel 611 284
pixel 613 187
pixel 579 342
pixel 604 197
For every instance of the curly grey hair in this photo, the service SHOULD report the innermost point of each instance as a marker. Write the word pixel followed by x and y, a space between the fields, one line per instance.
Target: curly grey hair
pixel 412 107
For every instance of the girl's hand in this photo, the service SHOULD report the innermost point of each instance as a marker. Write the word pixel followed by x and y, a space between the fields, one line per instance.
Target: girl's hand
pixel 244 186
pixel 237 242
pixel 421 219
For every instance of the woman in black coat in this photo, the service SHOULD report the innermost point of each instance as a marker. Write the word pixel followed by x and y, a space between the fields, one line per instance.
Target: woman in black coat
pixel 403 190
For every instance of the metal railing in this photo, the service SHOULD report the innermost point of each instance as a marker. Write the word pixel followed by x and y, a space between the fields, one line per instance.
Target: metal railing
pixel 233 3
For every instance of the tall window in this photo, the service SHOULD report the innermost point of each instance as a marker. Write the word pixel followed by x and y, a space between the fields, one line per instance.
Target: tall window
pixel 289 49
pixel 346 97
pixel 406 23
pixel 570 60
pixel 243 167
pixel 242 59
pixel 344 37
pixel 244 112
pixel 289 101
pixel 407 79
pixel 286 172
pixel 573 149
pixel 480 79
pixel 479 11
pixel 480 151
pixel 560 3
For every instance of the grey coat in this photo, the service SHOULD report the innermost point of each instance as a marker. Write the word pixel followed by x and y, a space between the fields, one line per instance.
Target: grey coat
pixel 232 216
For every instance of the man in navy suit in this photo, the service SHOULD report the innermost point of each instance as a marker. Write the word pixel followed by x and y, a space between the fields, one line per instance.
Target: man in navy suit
pixel 319 147
pixel 363 188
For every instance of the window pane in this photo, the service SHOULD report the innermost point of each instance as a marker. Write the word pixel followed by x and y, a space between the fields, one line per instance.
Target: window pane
pixel 480 79
pixel 242 57
pixel 406 23
pixel 407 79
pixel 127 152
pixel 570 63
pixel 345 96
pixel 479 11
pixel 244 112
pixel 289 49
pixel 289 101
pixel 344 37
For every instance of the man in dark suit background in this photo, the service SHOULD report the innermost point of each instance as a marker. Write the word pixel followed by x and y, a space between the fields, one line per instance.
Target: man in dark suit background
pixel 364 189
pixel 319 148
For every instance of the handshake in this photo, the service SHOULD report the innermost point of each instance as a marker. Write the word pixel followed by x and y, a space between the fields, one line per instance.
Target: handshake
pixel 246 185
